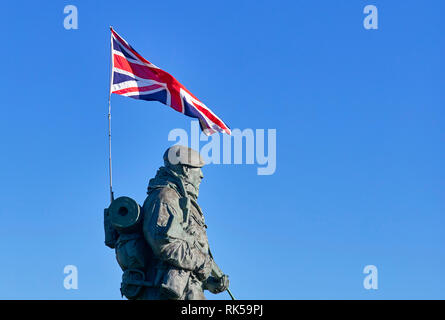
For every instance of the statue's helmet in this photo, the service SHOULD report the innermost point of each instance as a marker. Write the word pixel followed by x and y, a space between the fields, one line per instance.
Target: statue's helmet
pixel 183 155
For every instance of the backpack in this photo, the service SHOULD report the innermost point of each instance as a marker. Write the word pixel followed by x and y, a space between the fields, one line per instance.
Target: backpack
pixel 123 232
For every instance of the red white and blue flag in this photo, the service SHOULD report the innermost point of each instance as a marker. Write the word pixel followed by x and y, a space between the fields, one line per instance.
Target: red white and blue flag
pixel 133 76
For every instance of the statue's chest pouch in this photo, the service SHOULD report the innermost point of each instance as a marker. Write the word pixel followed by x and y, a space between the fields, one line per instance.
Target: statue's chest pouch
pixel 198 231
pixel 193 222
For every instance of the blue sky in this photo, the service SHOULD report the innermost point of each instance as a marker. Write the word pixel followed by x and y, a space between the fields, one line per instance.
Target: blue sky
pixel 360 122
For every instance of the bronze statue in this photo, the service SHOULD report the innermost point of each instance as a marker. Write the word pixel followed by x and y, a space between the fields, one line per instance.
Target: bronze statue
pixel 162 247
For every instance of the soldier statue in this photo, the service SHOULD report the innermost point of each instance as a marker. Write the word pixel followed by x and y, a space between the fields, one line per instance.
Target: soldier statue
pixel 162 247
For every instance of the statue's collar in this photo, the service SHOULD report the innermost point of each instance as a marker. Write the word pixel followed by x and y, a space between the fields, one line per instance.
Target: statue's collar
pixel 167 177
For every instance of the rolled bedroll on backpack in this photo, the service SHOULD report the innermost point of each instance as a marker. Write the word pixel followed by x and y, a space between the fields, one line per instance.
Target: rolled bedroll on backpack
pixel 125 214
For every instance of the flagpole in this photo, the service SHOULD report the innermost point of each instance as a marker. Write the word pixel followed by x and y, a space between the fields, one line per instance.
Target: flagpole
pixel 109 144
pixel 109 119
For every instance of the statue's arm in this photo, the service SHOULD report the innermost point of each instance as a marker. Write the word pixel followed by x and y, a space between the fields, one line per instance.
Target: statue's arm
pixel 171 244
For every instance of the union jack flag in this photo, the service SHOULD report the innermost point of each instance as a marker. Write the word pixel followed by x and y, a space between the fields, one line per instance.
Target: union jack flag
pixel 133 76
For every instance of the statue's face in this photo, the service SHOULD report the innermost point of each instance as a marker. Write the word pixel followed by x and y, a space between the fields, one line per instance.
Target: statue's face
pixel 194 177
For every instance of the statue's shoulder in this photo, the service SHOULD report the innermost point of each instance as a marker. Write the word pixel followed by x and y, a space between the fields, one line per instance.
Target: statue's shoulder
pixel 168 193
pixel 163 194
pixel 158 198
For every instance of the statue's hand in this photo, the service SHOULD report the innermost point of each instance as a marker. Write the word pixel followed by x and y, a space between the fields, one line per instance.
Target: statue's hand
pixel 215 285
